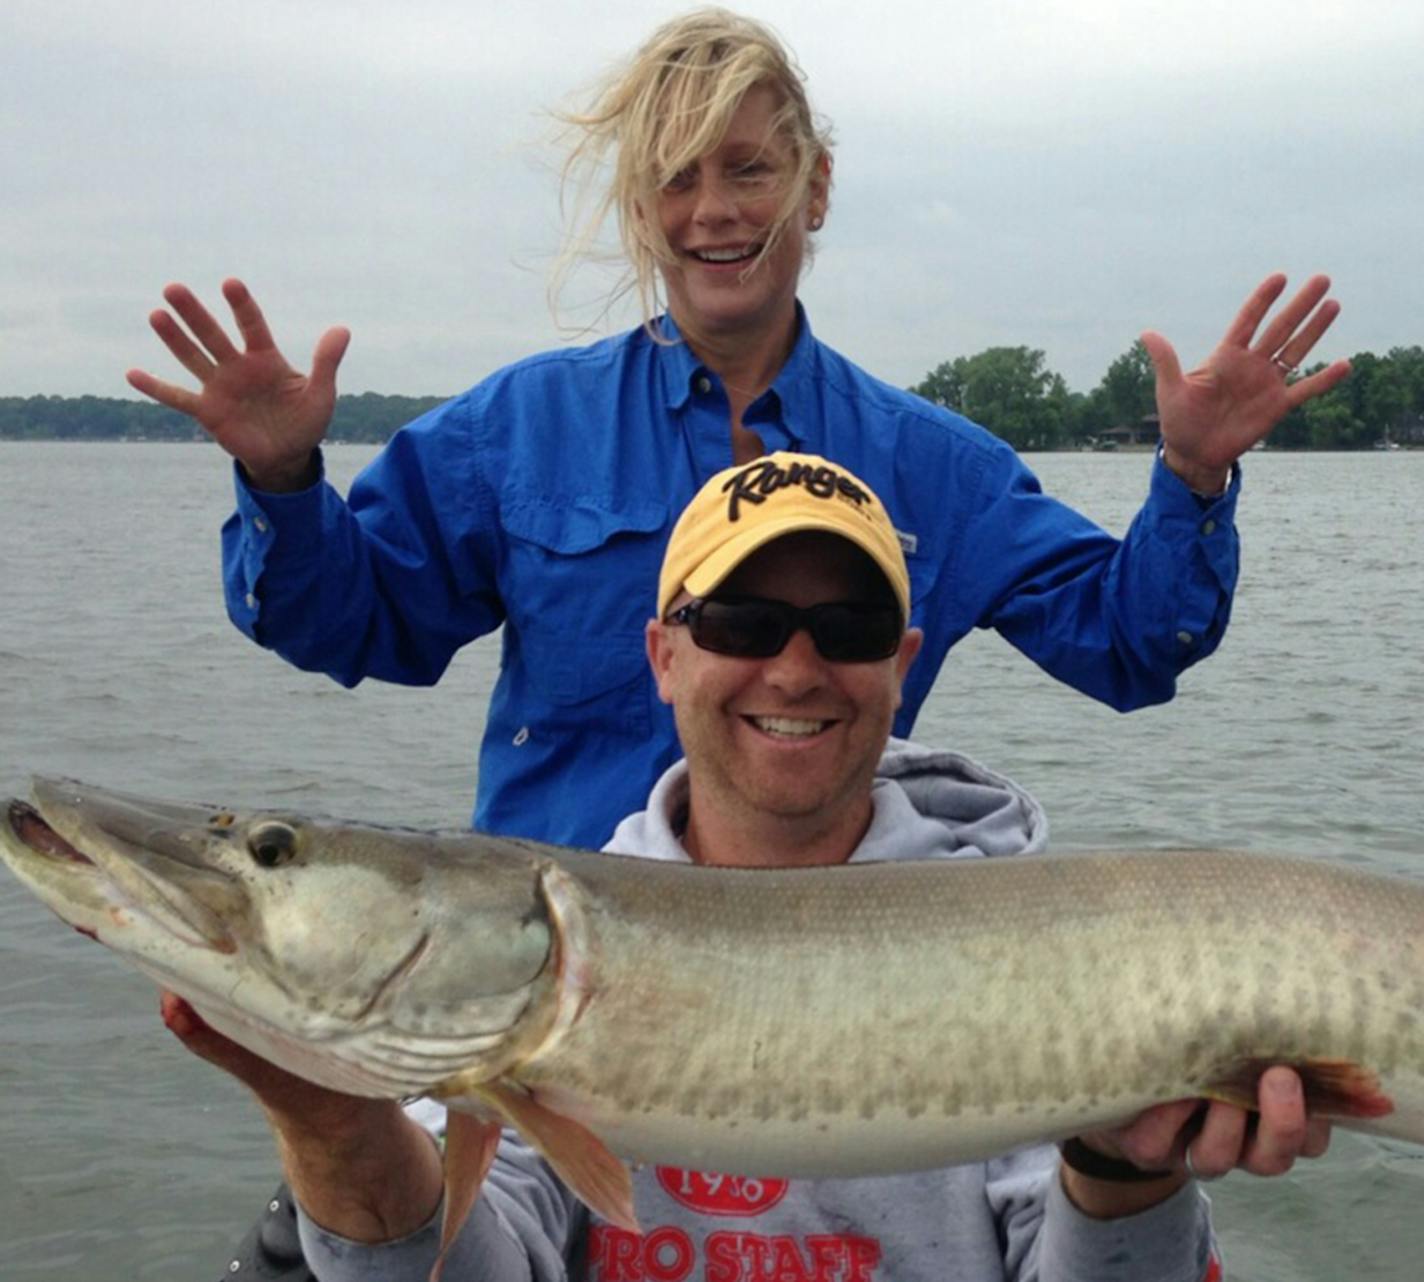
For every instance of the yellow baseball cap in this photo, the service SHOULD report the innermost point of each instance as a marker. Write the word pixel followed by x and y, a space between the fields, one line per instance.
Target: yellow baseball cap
pixel 749 505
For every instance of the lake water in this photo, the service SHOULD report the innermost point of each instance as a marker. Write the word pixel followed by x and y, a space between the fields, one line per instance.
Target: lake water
pixel 122 1157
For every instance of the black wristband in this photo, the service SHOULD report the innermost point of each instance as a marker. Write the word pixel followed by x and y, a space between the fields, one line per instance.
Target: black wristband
pixel 1099 1166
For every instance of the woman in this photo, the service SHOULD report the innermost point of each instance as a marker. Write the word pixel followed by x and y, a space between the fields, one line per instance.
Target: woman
pixel 542 498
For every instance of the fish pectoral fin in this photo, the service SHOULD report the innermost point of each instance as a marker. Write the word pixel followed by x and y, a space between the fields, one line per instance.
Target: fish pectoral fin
pixel 470 1146
pixel 578 1156
pixel 1333 1087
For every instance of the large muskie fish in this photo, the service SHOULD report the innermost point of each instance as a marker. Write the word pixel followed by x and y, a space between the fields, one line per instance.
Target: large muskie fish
pixel 828 1022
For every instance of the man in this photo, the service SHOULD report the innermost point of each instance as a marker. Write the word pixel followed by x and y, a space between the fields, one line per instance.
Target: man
pixel 780 644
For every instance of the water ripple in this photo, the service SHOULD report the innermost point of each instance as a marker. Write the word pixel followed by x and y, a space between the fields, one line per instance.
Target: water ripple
pixel 117 664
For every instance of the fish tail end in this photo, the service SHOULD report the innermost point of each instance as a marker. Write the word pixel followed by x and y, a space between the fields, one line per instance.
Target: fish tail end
pixel 1333 1087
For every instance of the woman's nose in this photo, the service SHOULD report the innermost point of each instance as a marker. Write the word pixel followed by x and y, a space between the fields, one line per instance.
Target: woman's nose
pixel 716 201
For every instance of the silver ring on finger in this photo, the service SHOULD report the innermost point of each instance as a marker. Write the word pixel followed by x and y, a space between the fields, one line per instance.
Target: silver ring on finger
pixel 1192 1170
pixel 1285 366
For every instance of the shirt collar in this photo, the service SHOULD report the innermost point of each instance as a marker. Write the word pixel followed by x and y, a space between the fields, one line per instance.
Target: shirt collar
pixel 677 365
pixel 801 364
pixel 680 368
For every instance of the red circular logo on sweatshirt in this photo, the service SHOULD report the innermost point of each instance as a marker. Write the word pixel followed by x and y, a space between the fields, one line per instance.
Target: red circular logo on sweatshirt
pixel 721 1194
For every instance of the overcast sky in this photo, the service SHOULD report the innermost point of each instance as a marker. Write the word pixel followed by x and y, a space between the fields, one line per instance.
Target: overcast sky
pixel 1041 172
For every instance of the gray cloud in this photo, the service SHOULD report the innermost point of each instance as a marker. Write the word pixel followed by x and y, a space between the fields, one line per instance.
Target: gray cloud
pixel 1056 174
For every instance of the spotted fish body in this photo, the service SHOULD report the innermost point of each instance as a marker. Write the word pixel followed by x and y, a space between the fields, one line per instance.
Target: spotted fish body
pixel 807 1023
pixel 877 1018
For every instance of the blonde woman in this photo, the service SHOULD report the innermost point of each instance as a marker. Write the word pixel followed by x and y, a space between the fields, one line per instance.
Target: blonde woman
pixel 541 499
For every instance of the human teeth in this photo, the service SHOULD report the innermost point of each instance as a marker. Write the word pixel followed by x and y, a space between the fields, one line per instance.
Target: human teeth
pixel 788 726
pixel 721 255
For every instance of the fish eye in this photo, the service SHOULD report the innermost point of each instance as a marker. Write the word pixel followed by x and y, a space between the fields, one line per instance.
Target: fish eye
pixel 272 844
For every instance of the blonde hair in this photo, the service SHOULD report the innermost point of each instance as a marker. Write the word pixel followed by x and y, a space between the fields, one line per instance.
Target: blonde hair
pixel 670 104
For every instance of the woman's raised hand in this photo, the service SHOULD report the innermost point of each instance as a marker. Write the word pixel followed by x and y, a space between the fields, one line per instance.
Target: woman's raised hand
pixel 1213 414
pixel 267 415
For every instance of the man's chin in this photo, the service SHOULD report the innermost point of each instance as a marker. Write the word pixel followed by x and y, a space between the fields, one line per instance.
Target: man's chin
pixel 798 799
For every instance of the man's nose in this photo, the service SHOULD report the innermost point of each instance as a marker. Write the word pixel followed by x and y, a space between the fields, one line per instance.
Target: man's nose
pixel 799 667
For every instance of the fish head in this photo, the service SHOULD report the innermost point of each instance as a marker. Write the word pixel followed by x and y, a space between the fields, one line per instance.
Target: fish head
pixel 376 961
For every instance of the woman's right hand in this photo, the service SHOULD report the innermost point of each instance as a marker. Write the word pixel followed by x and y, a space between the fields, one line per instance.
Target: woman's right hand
pixel 267 415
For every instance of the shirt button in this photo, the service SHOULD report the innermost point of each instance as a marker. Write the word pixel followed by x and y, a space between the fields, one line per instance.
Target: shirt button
pixel 522 737
pixel 704 384
pixel 1208 527
pixel 261 524
pixel 1185 638
pixel 251 601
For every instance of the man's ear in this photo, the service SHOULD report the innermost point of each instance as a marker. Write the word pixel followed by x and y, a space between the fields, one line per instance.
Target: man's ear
pixel 910 645
pixel 659 646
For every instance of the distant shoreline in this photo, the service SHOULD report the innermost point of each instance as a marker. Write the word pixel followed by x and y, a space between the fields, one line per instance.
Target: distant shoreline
pixel 1395 448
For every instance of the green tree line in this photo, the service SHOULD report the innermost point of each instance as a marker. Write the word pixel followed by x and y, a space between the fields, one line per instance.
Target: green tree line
pixel 368 417
pixel 1012 392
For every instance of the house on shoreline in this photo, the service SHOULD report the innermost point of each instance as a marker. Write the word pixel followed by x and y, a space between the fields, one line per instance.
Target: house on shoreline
pixel 1141 435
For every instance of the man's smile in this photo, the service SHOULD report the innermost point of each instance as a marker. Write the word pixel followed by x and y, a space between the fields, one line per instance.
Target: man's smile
pixel 790 727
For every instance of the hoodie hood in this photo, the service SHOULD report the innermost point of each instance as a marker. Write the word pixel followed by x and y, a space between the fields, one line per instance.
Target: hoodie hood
pixel 929 804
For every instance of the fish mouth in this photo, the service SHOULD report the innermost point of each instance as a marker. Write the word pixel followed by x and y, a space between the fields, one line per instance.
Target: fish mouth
pixel 138 856
pixel 32 832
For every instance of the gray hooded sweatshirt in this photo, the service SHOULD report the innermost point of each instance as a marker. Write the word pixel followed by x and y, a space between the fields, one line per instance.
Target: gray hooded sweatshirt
pixel 1005 1220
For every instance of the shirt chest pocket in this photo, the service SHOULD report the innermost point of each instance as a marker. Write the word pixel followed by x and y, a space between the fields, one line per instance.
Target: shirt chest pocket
pixel 579 583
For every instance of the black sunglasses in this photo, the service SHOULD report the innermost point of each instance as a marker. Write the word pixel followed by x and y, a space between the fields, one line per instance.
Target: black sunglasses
pixel 748 627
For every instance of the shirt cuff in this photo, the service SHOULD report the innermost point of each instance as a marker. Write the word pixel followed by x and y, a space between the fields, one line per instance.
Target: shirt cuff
pixel 1181 519
pixel 334 1258
pixel 1166 484
pixel 250 536
pixel 1169 1242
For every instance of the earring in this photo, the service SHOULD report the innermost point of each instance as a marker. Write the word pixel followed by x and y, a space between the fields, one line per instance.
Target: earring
pixel 816 221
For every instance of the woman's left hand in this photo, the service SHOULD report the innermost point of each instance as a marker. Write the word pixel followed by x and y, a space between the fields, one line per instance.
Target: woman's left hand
pixel 1212 415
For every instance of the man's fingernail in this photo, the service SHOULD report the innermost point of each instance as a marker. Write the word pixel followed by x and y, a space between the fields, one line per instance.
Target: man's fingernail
pixel 1285 1086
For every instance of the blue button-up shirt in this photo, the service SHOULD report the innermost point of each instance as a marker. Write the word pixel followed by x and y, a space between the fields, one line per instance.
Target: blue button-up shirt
pixel 542 500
